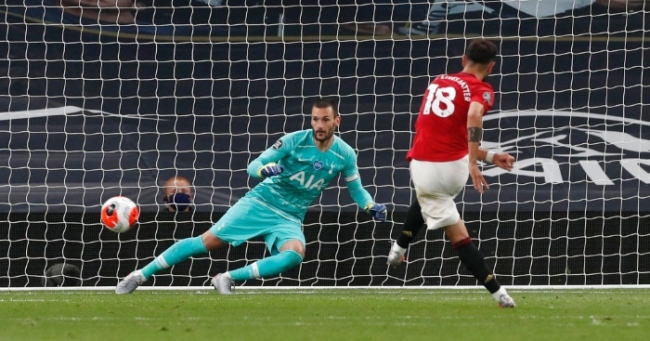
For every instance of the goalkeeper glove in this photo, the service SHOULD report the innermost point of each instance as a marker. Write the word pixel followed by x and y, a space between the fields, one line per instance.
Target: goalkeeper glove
pixel 377 211
pixel 270 169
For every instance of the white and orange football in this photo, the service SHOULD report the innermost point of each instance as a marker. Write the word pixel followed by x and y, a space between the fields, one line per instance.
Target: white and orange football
pixel 119 214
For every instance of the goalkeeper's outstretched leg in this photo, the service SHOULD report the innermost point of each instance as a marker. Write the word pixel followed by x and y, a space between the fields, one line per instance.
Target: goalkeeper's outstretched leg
pixel 180 251
pixel 290 255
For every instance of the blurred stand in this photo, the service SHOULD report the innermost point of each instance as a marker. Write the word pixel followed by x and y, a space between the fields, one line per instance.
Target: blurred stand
pixel 530 18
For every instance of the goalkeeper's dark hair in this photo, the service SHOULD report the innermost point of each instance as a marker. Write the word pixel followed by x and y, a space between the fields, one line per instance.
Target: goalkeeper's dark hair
pixel 481 51
pixel 327 102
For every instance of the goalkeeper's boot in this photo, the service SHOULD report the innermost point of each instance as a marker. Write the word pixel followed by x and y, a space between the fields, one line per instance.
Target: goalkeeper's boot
pixel 130 283
pixel 505 301
pixel 395 258
pixel 224 284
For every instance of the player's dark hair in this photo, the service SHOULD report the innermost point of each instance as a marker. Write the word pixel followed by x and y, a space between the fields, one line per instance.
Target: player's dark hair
pixel 327 102
pixel 481 51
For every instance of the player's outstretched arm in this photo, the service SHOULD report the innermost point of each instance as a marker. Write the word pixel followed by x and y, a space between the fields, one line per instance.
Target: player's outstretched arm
pixel 475 135
pixel 266 164
pixel 365 201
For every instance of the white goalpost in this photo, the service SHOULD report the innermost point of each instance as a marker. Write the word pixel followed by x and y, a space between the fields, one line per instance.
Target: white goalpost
pixel 95 106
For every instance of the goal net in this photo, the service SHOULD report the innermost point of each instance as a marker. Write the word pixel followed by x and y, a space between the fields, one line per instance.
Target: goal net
pixel 99 102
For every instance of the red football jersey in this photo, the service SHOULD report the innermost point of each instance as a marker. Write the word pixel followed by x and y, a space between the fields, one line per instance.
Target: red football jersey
pixel 441 127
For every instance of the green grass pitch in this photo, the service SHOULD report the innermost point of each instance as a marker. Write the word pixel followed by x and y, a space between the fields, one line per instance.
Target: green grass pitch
pixel 324 314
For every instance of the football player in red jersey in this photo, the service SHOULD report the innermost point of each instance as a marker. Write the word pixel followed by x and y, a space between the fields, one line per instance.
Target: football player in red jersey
pixel 445 152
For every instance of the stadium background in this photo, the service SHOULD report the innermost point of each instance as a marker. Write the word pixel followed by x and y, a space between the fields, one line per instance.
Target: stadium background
pixel 138 109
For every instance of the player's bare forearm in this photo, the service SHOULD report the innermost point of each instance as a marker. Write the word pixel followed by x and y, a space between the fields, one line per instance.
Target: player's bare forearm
pixel 475 152
pixel 475 132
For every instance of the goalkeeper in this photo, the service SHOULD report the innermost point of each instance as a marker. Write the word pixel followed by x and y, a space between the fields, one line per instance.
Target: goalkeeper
pixel 296 169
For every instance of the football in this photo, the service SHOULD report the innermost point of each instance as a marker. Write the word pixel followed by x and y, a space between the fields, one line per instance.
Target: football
pixel 119 214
